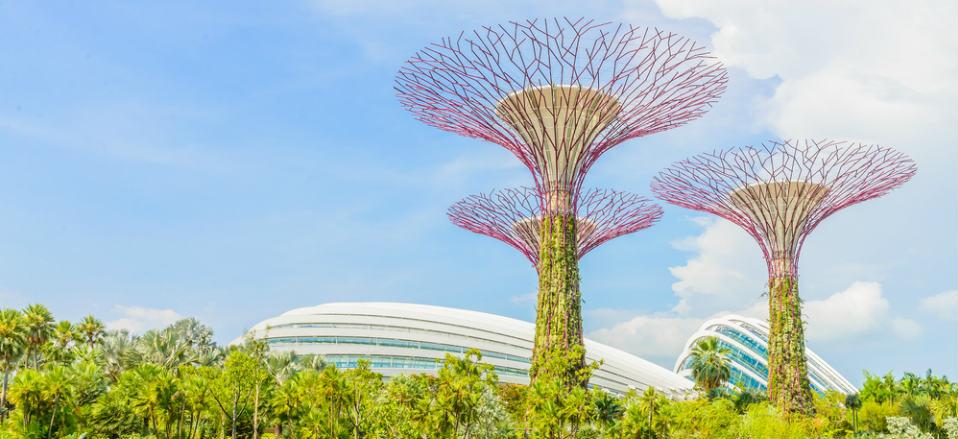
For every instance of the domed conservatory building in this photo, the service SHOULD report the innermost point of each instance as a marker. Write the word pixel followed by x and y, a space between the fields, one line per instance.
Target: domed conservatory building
pixel 747 340
pixel 401 338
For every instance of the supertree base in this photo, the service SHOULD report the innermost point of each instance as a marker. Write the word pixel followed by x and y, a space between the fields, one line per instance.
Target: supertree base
pixel 559 303
pixel 788 386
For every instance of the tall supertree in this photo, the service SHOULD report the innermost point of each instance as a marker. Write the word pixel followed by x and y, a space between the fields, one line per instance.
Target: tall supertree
pixel 779 192
pixel 514 216
pixel 558 94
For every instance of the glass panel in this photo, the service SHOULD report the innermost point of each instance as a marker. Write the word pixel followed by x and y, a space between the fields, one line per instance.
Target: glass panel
pixel 388 342
pixel 745 340
pixel 399 362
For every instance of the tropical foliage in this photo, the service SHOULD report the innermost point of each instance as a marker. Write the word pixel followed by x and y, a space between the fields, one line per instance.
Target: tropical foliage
pixel 709 363
pixel 79 380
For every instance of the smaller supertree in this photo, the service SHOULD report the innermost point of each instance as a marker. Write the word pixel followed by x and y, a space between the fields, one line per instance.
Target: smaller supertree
pixel 779 193
pixel 514 216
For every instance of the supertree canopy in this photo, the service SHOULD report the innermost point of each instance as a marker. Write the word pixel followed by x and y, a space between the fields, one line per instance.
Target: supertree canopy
pixel 558 94
pixel 779 192
pixel 514 216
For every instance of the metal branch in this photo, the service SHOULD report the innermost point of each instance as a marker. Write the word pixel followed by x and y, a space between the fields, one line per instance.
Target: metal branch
pixel 559 93
pixel 780 191
pixel 514 217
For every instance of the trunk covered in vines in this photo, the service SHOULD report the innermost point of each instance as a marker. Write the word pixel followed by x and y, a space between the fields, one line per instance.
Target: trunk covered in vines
pixel 788 386
pixel 559 304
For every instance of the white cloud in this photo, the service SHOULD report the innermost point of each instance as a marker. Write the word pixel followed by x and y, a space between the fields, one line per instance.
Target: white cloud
pixel 906 329
pixel 879 71
pixel 653 337
pixel 137 319
pixel 859 309
pixel 726 271
pixel 944 305
pixel 481 161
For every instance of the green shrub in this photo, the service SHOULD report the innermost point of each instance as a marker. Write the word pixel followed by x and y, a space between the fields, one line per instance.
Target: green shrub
pixel 764 421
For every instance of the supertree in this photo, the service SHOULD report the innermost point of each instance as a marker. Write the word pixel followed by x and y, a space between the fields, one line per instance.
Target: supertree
pixel 514 216
pixel 779 192
pixel 558 94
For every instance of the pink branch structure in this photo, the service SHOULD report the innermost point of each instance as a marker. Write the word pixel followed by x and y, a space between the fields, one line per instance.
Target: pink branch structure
pixel 513 216
pixel 779 193
pixel 559 93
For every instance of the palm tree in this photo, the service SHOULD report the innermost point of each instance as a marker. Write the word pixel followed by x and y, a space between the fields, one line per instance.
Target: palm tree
pixel 39 324
pixel 650 402
pixel 164 348
pixel 13 339
pixel 63 335
pixel 282 365
pixel 62 339
pixel 607 410
pixel 710 364
pixel 910 384
pixel 92 331
pixel 853 402
pixel 118 352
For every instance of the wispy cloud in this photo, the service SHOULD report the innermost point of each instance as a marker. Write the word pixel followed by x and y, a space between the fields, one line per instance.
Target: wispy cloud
pixel 523 298
pixel 944 305
pixel 131 133
pixel 138 319
pixel 9 298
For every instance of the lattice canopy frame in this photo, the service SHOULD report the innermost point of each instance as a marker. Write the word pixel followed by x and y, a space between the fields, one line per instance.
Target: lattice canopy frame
pixel 514 216
pixel 558 93
pixel 781 190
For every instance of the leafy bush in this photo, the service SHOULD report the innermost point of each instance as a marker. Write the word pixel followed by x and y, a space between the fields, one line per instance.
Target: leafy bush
pixel 175 383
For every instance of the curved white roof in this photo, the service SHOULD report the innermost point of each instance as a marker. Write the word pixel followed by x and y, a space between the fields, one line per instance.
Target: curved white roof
pixel 404 338
pixel 740 332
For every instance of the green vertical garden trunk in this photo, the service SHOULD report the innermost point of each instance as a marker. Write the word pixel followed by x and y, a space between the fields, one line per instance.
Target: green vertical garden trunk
pixel 788 386
pixel 559 304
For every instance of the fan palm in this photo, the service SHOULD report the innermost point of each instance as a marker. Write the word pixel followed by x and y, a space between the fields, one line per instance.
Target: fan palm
pixel 92 331
pixel 710 364
pixel 282 365
pixel 64 334
pixel 164 348
pixel 117 351
pixel 39 327
pixel 607 410
pixel 13 340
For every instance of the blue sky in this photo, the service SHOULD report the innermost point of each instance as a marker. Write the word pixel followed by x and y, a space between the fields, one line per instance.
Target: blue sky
pixel 230 161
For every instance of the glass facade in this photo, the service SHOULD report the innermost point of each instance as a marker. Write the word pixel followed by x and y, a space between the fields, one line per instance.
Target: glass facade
pixel 743 380
pixel 404 362
pixel 392 342
pixel 752 356
pixel 745 360
pixel 756 332
pixel 397 336
pixel 389 328
pixel 744 340
pixel 407 362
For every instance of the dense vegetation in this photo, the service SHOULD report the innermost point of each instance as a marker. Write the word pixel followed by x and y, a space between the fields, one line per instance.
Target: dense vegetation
pixel 78 380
